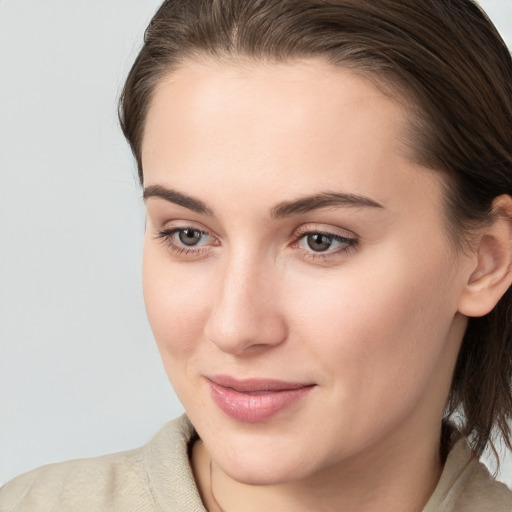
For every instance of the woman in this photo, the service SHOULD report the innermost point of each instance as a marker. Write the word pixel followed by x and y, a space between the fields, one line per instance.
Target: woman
pixel 326 264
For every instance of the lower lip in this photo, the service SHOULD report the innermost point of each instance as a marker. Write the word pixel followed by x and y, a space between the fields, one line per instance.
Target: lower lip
pixel 254 408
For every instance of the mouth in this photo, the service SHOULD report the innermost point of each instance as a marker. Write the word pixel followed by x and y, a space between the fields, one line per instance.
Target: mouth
pixel 254 400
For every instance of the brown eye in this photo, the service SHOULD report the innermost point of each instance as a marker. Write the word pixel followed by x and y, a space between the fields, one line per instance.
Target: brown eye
pixel 325 244
pixel 318 242
pixel 189 236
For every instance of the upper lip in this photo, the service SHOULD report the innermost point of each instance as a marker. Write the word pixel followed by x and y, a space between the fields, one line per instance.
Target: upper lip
pixel 248 385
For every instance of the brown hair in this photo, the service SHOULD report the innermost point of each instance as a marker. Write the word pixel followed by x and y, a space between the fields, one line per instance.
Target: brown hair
pixel 444 55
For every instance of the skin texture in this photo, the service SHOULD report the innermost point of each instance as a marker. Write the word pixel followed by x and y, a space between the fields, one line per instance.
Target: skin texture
pixel 374 324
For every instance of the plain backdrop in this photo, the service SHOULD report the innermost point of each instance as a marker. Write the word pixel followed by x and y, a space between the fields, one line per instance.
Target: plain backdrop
pixel 80 374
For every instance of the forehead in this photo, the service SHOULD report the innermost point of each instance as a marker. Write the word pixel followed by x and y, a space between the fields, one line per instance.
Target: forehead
pixel 274 95
pixel 284 126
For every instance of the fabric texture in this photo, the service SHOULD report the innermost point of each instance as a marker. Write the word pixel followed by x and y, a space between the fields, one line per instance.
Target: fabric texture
pixel 158 478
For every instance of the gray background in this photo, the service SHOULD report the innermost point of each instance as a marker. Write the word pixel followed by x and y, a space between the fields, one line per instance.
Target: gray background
pixel 79 372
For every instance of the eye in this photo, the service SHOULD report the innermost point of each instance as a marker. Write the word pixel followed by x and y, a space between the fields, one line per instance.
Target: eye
pixel 190 237
pixel 318 242
pixel 186 240
pixel 328 243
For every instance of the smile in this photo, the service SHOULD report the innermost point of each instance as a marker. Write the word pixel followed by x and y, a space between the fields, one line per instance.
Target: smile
pixel 254 400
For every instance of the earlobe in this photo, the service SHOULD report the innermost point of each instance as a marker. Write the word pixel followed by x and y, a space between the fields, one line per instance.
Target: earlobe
pixel 492 273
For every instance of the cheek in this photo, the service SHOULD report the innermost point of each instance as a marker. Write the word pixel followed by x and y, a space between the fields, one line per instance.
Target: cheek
pixel 378 330
pixel 176 300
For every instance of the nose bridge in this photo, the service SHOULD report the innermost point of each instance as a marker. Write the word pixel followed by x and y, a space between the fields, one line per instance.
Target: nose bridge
pixel 245 310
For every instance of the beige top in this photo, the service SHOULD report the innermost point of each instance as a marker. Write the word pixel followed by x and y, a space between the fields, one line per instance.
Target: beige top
pixel 158 478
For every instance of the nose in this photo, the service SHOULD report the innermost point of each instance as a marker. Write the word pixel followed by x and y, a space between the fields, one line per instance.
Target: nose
pixel 245 313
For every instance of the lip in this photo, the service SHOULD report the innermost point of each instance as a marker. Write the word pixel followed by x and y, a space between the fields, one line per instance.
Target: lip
pixel 254 400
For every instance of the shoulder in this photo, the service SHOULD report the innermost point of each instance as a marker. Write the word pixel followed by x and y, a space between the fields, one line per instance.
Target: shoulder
pixel 124 481
pixel 66 484
pixel 467 486
pixel 481 491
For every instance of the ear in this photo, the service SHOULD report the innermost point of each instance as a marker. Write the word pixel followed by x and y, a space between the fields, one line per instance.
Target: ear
pixel 491 275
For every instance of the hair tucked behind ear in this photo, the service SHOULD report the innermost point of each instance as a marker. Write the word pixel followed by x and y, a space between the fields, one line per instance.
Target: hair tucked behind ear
pixel 444 57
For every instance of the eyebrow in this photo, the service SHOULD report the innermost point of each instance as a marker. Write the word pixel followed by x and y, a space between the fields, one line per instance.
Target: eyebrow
pixel 281 210
pixel 322 200
pixel 178 198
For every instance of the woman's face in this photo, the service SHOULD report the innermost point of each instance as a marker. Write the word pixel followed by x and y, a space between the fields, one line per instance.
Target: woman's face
pixel 298 273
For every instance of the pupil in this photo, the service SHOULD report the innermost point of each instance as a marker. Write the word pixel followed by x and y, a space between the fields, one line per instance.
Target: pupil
pixel 319 242
pixel 189 236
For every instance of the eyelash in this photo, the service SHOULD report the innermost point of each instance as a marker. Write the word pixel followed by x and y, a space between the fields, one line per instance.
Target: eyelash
pixel 348 244
pixel 167 236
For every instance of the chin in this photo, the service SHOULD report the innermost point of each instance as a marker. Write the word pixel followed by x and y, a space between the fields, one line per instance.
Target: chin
pixel 269 472
pixel 262 460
